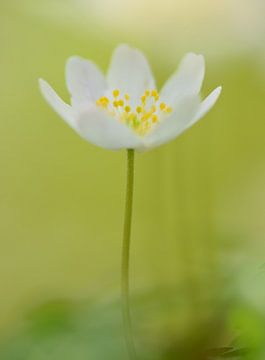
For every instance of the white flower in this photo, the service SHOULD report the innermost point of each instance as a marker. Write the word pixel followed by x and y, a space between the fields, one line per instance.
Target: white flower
pixel 124 110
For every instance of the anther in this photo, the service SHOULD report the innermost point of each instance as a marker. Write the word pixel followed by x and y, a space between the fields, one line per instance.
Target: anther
pixel 154 118
pixel 154 93
pixel 146 116
pixel 162 106
pixel 116 93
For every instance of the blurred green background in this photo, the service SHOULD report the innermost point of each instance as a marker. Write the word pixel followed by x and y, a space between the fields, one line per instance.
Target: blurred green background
pixel 197 273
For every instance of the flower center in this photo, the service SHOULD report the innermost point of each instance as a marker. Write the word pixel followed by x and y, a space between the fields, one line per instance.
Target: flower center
pixel 141 117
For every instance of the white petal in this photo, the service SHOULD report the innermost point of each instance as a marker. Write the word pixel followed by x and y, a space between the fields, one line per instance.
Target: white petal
pixel 63 109
pixel 130 72
pixel 187 80
pixel 84 80
pixel 207 104
pixel 174 125
pixel 98 128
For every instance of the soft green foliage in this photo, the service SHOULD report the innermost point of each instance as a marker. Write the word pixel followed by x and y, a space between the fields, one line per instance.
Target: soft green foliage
pixel 61 329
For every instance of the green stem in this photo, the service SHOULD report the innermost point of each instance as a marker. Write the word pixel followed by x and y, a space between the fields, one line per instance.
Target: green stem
pixel 126 257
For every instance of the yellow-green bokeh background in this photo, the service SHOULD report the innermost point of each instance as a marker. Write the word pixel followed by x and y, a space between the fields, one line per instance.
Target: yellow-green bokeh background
pixel 199 201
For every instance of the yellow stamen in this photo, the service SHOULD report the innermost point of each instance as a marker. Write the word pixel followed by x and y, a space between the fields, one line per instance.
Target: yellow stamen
pixel 154 118
pixel 144 114
pixel 103 101
pixel 162 106
pixel 116 93
pixel 139 109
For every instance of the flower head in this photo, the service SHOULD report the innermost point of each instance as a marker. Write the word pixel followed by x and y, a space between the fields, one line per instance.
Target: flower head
pixel 125 109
